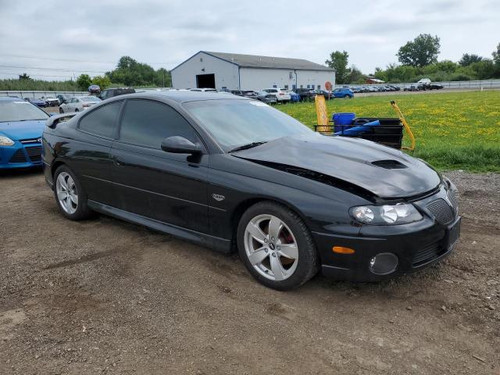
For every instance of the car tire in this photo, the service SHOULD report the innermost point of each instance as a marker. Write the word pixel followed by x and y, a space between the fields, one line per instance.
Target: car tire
pixel 76 110
pixel 70 195
pixel 61 110
pixel 276 246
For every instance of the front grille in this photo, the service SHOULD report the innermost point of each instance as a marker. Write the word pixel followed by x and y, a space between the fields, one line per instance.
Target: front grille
pixel 30 141
pixel 18 157
pixel 441 211
pixel 35 153
pixel 427 254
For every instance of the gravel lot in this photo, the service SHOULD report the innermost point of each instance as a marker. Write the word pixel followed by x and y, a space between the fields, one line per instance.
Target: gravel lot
pixel 107 296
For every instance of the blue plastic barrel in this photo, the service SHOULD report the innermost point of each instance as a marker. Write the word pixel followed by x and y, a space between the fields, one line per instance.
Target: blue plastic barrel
pixel 340 120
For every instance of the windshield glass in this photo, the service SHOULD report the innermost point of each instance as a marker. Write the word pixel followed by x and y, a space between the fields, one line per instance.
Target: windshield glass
pixel 20 111
pixel 234 123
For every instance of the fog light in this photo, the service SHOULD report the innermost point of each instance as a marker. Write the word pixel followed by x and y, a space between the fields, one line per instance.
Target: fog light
pixel 383 263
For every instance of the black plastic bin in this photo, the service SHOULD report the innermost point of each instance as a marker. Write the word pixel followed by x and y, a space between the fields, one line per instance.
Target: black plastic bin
pixel 388 133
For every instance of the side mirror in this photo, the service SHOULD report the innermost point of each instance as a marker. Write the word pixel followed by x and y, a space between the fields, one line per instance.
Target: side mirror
pixel 180 145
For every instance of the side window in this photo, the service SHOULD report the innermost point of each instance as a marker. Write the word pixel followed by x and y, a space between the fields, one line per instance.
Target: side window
pixel 102 120
pixel 147 123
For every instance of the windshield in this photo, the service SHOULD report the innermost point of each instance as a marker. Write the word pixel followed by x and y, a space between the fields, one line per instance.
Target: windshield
pixel 234 123
pixel 20 111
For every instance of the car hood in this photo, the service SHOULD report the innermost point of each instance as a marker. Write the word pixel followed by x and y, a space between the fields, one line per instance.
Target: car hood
pixel 385 172
pixel 17 130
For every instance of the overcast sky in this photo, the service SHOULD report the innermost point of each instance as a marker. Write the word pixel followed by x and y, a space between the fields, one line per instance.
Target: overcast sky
pixel 57 40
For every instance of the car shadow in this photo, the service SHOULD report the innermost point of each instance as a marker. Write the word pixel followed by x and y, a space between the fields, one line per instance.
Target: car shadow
pixel 21 172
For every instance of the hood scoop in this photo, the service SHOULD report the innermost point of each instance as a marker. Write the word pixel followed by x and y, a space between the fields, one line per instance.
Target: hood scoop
pixel 389 164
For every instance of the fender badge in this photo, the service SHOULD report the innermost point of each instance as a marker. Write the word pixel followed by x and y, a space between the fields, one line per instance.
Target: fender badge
pixel 218 197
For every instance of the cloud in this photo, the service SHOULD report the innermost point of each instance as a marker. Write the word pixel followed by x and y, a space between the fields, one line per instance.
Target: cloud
pixel 164 33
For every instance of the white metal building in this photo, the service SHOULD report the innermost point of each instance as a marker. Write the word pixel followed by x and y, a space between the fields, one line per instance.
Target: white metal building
pixel 248 72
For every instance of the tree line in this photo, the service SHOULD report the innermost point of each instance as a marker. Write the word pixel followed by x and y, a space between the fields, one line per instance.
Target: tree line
pixel 128 72
pixel 417 59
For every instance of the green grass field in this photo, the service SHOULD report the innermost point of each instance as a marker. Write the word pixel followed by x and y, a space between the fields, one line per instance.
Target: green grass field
pixel 453 130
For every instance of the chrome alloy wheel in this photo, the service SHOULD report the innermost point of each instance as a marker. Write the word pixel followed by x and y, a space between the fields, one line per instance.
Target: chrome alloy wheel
pixel 271 248
pixel 67 193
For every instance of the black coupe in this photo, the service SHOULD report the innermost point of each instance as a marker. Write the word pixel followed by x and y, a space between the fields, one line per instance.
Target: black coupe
pixel 233 173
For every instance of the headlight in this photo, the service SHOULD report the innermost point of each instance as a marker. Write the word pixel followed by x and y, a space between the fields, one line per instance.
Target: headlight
pixel 6 141
pixel 388 214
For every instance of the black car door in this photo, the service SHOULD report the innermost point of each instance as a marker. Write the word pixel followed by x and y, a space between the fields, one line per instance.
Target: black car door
pixel 90 152
pixel 167 187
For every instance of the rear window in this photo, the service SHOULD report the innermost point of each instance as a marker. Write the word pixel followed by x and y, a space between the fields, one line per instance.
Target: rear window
pixel 102 120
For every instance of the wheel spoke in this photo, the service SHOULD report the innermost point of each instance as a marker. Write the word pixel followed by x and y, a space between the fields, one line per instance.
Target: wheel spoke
pixel 74 198
pixel 277 268
pixel 71 184
pixel 258 256
pixel 67 194
pixel 289 251
pixel 62 182
pixel 256 232
pixel 67 203
pixel 275 226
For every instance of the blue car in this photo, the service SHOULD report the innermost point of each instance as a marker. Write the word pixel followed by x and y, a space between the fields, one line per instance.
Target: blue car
pixel 21 127
pixel 344 92
pixel 294 97
pixel 38 102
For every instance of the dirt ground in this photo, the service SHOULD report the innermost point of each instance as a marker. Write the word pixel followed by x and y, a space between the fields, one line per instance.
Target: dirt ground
pixel 111 297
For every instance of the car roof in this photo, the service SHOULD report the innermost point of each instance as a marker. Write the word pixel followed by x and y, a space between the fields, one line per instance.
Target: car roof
pixel 181 96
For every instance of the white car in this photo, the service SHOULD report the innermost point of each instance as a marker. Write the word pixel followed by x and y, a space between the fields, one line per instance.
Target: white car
pixel 424 81
pixel 51 101
pixel 78 103
pixel 281 95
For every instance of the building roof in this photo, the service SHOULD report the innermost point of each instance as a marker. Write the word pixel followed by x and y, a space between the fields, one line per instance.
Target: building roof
pixel 255 61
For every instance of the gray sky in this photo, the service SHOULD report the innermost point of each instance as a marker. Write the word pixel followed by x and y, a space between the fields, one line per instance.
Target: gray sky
pixel 57 40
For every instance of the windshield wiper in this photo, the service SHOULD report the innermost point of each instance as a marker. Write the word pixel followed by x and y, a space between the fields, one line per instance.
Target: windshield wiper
pixel 247 146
